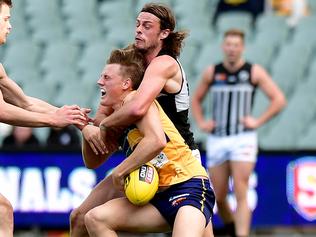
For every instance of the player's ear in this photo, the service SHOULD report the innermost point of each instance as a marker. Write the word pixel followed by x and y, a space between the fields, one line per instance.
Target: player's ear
pixel 164 33
pixel 127 84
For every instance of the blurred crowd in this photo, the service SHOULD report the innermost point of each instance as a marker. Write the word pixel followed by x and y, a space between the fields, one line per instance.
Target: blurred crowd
pixel 293 9
pixel 26 138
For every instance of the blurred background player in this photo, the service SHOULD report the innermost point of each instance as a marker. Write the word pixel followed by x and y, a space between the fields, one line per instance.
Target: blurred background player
pixel 18 109
pixel 231 148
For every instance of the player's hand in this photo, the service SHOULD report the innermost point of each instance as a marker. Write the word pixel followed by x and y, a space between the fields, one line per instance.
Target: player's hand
pixel 85 111
pixel 92 135
pixel 250 122
pixel 68 115
pixel 207 126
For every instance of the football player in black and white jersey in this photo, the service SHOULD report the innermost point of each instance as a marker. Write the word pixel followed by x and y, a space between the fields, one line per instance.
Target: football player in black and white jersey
pixel 232 140
pixel 164 79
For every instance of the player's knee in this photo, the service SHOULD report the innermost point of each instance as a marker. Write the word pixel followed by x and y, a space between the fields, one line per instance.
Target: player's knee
pixel 221 203
pixel 6 210
pixel 77 219
pixel 94 221
pixel 221 199
pixel 241 197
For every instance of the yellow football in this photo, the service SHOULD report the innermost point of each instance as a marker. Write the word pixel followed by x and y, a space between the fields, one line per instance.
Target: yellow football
pixel 141 184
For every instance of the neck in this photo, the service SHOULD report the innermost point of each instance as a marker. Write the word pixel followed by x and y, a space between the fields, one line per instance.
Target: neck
pixel 233 66
pixel 152 53
pixel 121 101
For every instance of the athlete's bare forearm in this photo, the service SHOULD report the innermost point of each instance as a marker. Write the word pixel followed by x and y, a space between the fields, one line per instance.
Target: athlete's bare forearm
pixel 40 106
pixel 13 115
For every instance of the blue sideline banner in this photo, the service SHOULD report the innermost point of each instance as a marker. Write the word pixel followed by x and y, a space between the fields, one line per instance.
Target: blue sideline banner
pixel 44 187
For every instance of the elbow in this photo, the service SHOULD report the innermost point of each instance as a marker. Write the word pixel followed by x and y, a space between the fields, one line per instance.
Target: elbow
pixel 196 104
pixel 4 112
pixel 282 102
pixel 160 144
pixel 90 160
pixel 2 116
pixel 27 103
pixel 86 162
pixel 6 116
pixel 91 167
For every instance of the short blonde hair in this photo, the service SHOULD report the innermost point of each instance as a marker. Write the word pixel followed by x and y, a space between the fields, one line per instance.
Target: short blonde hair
pixel 235 32
pixel 132 64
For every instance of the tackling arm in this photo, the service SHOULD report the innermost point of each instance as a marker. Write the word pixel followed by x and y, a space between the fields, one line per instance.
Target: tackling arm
pixel 159 71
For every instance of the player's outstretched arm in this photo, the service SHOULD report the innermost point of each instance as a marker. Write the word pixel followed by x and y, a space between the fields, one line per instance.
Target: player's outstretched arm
pixel 15 106
pixel 38 105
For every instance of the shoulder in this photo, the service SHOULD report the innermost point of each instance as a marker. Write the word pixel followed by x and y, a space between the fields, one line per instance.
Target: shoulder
pixel 164 66
pixel 208 73
pixel 164 62
pixel 258 70
pixel 164 58
pixel 258 73
pixel 209 69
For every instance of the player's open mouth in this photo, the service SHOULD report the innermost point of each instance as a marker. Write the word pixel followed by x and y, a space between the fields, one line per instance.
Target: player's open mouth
pixel 103 92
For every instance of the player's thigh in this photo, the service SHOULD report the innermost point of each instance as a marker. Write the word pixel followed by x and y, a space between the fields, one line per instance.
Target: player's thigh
pixel 189 222
pixel 121 215
pixel 5 205
pixel 102 192
pixel 208 231
pixel 3 200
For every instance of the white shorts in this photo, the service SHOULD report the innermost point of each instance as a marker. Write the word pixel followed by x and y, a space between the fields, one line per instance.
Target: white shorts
pixel 241 147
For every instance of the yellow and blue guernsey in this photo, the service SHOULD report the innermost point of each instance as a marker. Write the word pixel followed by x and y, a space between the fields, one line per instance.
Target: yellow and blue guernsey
pixel 175 164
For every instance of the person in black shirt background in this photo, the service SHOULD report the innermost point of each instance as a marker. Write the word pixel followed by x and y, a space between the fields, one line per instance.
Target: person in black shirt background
pixel 63 138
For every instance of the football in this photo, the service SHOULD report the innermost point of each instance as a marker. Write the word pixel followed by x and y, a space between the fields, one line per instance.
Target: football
pixel 141 184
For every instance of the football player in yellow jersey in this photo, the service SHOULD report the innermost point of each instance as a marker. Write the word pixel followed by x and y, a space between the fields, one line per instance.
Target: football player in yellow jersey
pixel 185 200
